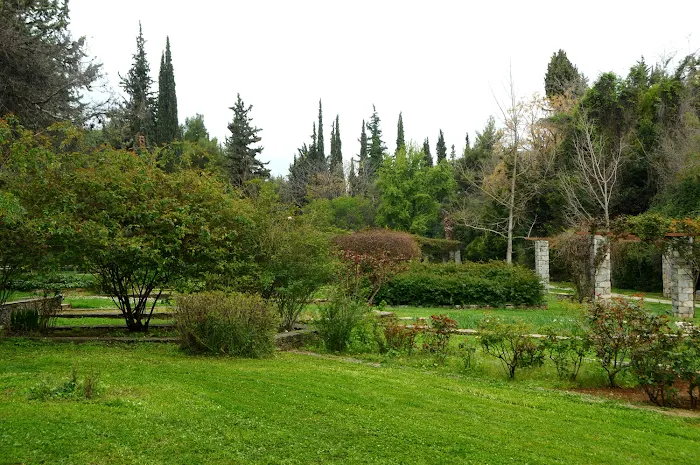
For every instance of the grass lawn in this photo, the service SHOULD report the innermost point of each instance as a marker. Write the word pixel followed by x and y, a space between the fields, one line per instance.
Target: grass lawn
pixel 161 406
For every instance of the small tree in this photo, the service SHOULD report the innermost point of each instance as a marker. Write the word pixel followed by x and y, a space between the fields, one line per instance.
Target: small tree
pixel 376 255
pixel 511 343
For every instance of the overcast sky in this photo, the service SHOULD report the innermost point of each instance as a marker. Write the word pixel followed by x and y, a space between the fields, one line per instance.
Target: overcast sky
pixel 440 62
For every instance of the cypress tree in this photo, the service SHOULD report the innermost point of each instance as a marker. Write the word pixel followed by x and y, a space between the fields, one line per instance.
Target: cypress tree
pixel 140 106
pixel 441 148
pixel 426 153
pixel 336 157
pixel 563 76
pixel 352 179
pixel 240 159
pixel 453 154
pixel 400 140
pixel 363 163
pixel 320 149
pixel 376 145
pixel 167 127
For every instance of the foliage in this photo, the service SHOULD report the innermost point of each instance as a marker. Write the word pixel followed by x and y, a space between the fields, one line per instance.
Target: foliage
pixel 240 154
pixel 377 255
pixel 55 281
pixel 345 213
pixel 376 147
pixel 614 333
pixel 652 358
pixel 167 127
pixel 636 266
pixel 43 69
pixel 141 104
pixel 411 193
pixel 35 316
pixel 234 324
pixel 339 317
pixel 437 338
pixel 440 149
pixel 494 284
pixel 562 77
pixel 511 343
pixel 686 363
pixel 566 350
pixel 399 337
pixel 436 249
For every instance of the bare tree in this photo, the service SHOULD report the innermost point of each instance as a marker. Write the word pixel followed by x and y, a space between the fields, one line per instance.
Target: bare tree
pixel 592 183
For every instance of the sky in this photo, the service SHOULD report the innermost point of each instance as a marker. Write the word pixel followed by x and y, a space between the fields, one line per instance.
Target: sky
pixel 444 64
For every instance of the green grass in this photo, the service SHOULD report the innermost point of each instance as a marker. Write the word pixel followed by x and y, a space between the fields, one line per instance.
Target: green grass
pixel 161 406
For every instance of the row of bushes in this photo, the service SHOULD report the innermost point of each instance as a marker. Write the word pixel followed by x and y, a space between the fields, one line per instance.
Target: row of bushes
pixel 55 281
pixel 490 284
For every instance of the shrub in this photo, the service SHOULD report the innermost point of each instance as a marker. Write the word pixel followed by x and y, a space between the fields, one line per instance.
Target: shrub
pixel 437 339
pixel 652 357
pixel 687 364
pixel 566 350
pixel 340 316
pixel 614 332
pixel 494 284
pixel 235 324
pixel 511 343
pixel 35 316
pixel 55 281
pixel 376 255
pixel 399 337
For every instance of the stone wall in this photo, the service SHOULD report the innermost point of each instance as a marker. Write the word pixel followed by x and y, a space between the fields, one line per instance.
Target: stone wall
pixel 10 307
pixel 682 286
pixel 542 262
pixel 601 272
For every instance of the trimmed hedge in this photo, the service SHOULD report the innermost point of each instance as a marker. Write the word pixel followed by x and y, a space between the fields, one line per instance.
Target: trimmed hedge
pixel 490 284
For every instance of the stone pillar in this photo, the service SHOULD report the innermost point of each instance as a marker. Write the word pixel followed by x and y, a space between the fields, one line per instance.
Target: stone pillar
pixel 666 274
pixel 542 262
pixel 458 257
pixel 682 287
pixel 601 257
pixel 452 256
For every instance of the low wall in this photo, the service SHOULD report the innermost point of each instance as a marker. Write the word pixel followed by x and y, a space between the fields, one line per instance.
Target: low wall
pixel 10 307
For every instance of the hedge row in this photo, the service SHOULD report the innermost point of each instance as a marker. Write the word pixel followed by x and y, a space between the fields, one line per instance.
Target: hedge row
pixel 64 280
pixel 491 284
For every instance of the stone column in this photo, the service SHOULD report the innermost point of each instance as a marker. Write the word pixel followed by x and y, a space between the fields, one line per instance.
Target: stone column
pixel 682 287
pixel 601 257
pixel 542 262
pixel 458 256
pixel 666 274
pixel 452 256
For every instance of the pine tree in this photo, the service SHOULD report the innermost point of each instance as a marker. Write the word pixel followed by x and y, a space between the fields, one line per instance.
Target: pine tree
pixel 320 149
pixel 400 139
pixel 441 148
pixel 140 107
pixel 240 159
pixel 363 163
pixel 467 146
pixel 336 157
pixel 426 153
pixel 167 127
pixel 376 145
pixel 562 76
pixel 352 179
pixel 453 154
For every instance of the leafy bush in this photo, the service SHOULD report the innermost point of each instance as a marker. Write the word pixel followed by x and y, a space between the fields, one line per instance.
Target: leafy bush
pixel 511 343
pixel 235 324
pixel 566 350
pixel 339 317
pixel 55 281
pixel 494 284
pixel 399 337
pixel 687 364
pixel 614 332
pixel 637 266
pixel 437 340
pixel 376 255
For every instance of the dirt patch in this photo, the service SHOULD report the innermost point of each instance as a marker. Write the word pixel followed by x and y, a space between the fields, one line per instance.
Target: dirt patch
pixel 636 397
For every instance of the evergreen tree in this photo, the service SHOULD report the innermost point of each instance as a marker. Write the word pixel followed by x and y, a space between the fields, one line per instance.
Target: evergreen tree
pixel 428 158
pixel 363 163
pixel 336 157
pixel 240 160
pixel 194 129
pixel 376 145
pixel 400 139
pixel 140 106
pixel 563 76
pixel 320 148
pixel 167 127
pixel 352 179
pixel 441 148
pixel 453 154
pixel 467 146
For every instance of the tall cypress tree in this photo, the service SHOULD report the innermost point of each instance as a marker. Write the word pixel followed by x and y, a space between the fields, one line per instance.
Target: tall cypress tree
pixel 140 106
pixel 240 155
pixel 376 145
pixel 441 148
pixel 336 157
pixel 352 179
pixel 400 140
pixel 363 164
pixel 426 153
pixel 320 148
pixel 453 154
pixel 167 126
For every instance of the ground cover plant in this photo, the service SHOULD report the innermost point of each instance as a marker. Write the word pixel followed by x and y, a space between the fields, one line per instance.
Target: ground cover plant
pixel 297 408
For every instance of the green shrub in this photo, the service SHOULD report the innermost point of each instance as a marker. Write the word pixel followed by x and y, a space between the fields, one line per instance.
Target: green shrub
pixel 399 337
pixel 636 265
pixel 234 324
pixel 35 316
pixel 437 339
pixel 566 350
pixel 339 317
pixel 687 364
pixel 493 284
pixel 511 343
pixel 55 281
